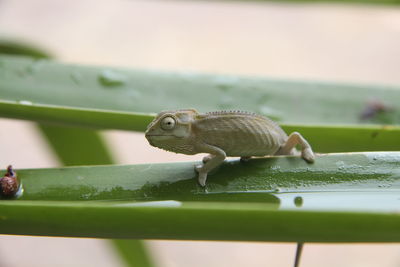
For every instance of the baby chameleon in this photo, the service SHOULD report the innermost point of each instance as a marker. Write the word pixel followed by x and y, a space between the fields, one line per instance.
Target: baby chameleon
pixel 222 134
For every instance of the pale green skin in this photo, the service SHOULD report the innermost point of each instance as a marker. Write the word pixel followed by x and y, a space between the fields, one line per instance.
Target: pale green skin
pixel 222 134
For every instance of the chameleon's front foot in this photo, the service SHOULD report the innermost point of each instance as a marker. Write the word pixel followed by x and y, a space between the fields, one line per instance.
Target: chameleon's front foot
pixel 308 155
pixel 202 175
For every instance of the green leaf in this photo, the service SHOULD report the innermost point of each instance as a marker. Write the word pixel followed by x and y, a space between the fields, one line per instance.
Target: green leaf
pixel 194 221
pixel 58 115
pixel 49 83
pixel 134 252
pixel 376 171
pixel 339 198
pixel 76 146
pixel 54 93
pixel 14 47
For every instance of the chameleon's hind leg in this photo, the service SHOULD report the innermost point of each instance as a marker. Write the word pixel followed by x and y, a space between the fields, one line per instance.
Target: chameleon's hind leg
pixel 293 140
pixel 216 157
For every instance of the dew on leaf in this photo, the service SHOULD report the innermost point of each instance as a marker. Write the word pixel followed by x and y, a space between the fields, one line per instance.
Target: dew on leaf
pixel 298 201
pixel 25 102
pixel 111 78
pixel 76 77
pixel 35 66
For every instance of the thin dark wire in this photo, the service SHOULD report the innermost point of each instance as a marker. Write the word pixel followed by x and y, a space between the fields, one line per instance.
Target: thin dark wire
pixel 299 249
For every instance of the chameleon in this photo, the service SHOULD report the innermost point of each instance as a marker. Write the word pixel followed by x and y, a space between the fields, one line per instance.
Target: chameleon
pixel 221 134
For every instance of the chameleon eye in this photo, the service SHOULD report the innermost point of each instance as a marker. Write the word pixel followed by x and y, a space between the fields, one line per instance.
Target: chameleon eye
pixel 168 123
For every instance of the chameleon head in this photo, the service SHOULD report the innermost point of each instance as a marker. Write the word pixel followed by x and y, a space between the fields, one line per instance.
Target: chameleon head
pixel 171 130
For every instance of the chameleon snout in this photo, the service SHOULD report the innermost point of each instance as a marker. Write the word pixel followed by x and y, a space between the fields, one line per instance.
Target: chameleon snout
pixel 153 137
pixel 149 137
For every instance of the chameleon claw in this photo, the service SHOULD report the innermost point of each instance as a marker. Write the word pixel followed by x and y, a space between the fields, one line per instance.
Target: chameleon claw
pixel 202 178
pixel 308 155
pixel 202 175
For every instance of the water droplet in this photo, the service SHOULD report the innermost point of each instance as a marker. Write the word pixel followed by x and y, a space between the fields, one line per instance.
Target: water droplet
pixel 298 201
pixel 76 77
pixel 25 102
pixel 385 185
pixel 278 190
pixel 275 168
pixel 111 78
pixel 35 66
pixel 341 165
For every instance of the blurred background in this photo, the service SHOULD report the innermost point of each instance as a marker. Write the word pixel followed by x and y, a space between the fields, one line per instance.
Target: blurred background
pixel 307 41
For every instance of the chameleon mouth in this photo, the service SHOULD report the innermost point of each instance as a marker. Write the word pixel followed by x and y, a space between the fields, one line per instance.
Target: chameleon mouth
pixel 162 136
pixel 157 136
pixel 157 139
